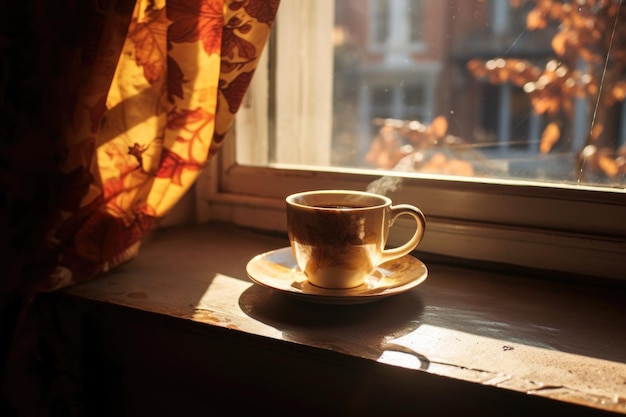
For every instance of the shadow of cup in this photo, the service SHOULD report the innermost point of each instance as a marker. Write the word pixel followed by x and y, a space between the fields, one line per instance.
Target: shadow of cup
pixel 361 330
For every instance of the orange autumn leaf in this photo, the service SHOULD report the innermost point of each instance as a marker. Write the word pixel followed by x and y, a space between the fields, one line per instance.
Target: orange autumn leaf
pixel 99 237
pixel 103 236
pixel 559 43
pixel 534 20
pixel 236 90
pixel 183 119
pixel 550 136
pixel 150 41
pixel 175 80
pixel 619 91
pixel 608 165
pixel 477 68
pixel 596 131
pixel 172 166
pixel 113 187
pixel 231 42
pixel 439 126
pixel 263 11
pixel 190 24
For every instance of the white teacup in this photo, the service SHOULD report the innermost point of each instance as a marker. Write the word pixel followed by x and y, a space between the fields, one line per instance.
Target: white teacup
pixel 338 237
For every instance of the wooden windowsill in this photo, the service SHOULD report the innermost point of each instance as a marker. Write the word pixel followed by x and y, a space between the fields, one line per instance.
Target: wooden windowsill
pixel 495 338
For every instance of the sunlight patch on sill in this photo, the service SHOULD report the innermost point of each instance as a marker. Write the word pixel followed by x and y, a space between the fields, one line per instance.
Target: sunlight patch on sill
pixel 215 306
pixel 510 365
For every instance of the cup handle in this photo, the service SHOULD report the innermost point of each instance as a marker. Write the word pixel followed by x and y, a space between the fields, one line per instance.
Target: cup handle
pixel 395 212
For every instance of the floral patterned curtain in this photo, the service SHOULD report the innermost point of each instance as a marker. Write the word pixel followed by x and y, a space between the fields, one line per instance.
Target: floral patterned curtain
pixel 141 134
pixel 109 110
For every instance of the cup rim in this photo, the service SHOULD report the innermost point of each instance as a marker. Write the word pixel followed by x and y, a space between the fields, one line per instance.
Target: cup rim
pixel 291 199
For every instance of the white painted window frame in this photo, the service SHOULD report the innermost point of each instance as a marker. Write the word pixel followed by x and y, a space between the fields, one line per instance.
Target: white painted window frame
pixel 566 229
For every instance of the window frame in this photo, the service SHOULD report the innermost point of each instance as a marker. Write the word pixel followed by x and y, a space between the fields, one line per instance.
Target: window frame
pixel 520 224
pixel 570 230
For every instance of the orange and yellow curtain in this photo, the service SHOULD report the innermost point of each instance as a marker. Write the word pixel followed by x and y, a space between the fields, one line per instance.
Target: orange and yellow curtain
pixel 109 110
pixel 156 105
pixel 141 95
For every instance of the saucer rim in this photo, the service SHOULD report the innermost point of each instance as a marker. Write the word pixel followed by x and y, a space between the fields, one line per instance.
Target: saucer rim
pixel 357 298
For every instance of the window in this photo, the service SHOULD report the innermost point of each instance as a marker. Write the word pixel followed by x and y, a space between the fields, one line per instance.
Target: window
pixel 392 24
pixel 323 97
pixel 415 13
pixel 380 21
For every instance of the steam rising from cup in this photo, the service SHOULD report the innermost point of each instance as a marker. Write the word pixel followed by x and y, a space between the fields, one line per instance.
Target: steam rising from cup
pixel 390 183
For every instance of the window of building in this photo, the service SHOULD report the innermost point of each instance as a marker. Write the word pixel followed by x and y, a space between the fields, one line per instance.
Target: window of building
pixel 415 12
pixel 506 167
pixel 380 17
pixel 394 24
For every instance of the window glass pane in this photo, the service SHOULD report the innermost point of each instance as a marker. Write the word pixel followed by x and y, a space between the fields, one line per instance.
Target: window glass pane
pixel 415 12
pixel 499 89
pixel 381 20
pixel 381 99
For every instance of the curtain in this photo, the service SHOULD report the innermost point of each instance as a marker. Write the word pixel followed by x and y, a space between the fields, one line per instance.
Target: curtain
pixel 109 110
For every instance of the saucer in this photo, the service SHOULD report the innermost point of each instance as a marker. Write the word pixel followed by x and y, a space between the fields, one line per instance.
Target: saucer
pixel 277 269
